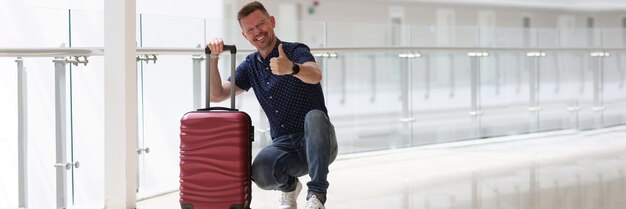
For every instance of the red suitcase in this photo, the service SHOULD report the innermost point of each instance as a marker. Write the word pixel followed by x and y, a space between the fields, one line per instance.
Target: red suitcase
pixel 216 154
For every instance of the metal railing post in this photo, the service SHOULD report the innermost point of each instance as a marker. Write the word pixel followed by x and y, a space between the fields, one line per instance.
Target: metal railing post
pixel 427 80
pixel 476 110
pixel 373 81
pixel 533 79
pixel 22 134
pixel 60 112
pixel 598 88
pixel 620 71
pixel 406 116
pixel 197 81
pixel 452 76
pixel 140 117
pixel 498 74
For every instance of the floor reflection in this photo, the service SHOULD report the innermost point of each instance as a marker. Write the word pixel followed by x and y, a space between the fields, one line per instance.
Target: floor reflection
pixel 564 171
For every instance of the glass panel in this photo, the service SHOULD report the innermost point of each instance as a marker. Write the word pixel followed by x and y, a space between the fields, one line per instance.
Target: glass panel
pixel 578 37
pixel 8 109
pixel 553 98
pixel 363 99
pixel 583 66
pixel 423 35
pixel 9 127
pixel 41 133
pixel 572 94
pixel 88 123
pixel 612 37
pixel 312 34
pixel 168 31
pixel 358 35
pixel 441 98
pixel 23 27
pixel 230 31
pixel 167 95
pixel 459 36
pixel 614 92
pixel 511 37
pixel 504 94
pixel 548 37
pixel 88 111
pixel 464 36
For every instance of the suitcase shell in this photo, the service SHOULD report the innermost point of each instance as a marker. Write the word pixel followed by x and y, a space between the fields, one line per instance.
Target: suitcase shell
pixel 216 154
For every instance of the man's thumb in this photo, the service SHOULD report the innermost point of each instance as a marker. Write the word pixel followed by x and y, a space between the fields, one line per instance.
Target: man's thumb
pixel 281 52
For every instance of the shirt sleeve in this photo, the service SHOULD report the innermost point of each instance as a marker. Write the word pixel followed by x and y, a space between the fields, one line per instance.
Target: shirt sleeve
pixel 301 54
pixel 242 79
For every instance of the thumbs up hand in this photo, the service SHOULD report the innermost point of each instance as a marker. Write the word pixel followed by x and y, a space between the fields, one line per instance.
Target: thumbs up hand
pixel 281 65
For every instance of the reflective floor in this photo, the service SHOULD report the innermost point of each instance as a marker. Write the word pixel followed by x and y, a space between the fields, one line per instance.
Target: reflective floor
pixel 558 170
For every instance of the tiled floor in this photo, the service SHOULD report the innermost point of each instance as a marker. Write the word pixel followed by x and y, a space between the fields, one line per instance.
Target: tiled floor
pixel 556 170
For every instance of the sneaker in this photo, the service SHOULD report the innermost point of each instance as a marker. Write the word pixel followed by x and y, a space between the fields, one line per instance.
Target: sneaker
pixel 288 199
pixel 314 203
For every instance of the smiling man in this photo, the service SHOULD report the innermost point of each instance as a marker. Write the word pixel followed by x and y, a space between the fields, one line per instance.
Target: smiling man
pixel 286 81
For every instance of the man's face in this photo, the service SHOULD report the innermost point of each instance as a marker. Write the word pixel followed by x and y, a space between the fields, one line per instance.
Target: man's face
pixel 258 30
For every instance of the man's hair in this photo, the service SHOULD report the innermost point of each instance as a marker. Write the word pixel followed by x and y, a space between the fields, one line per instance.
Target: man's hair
pixel 250 8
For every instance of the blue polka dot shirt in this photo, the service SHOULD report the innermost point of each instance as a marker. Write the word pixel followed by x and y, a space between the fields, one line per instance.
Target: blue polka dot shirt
pixel 285 99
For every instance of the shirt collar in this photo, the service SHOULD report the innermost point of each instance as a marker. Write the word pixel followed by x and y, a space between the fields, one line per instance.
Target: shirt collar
pixel 274 52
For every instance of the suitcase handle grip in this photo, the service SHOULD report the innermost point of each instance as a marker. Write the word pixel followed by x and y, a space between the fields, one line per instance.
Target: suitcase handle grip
pixel 233 52
pixel 231 48
pixel 218 108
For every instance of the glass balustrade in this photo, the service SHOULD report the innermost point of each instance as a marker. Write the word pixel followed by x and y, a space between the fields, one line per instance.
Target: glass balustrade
pixel 452 84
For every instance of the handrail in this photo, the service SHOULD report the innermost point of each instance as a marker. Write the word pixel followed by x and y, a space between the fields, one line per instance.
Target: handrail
pixel 99 51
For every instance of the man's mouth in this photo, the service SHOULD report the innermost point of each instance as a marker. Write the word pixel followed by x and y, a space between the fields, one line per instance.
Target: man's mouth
pixel 261 37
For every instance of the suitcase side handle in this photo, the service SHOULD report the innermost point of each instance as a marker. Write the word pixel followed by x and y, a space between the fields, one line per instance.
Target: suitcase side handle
pixel 233 52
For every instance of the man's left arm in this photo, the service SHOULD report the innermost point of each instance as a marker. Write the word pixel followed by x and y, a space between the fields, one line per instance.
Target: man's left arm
pixel 309 71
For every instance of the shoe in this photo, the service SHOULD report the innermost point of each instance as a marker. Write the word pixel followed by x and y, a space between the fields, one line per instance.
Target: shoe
pixel 288 199
pixel 314 203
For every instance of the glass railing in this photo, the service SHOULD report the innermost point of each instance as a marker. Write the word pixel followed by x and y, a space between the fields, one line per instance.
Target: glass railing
pixel 386 87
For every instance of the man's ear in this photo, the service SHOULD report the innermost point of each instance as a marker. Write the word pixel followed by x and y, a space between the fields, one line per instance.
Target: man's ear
pixel 273 22
pixel 244 35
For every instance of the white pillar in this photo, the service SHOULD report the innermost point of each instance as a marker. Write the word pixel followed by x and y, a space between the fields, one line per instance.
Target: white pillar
pixel 120 104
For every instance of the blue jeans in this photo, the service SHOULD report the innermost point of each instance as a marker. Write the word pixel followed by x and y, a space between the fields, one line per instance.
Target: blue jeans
pixel 278 165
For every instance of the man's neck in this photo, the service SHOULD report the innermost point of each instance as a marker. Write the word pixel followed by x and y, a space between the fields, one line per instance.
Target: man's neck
pixel 267 51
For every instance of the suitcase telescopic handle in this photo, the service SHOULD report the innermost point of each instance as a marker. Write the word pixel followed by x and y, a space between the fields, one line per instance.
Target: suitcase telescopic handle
pixel 231 48
pixel 233 52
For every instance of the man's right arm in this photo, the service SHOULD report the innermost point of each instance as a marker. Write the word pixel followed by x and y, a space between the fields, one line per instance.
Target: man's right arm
pixel 219 90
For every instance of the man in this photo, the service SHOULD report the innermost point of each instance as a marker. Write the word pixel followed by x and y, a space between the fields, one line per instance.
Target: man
pixel 286 81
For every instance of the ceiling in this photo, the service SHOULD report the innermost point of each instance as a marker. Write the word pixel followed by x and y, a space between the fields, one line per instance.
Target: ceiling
pixel 578 5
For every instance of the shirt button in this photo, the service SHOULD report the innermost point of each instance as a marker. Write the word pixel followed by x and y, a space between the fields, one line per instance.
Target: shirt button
pixel 268 83
pixel 282 126
pixel 276 111
pixel 270 97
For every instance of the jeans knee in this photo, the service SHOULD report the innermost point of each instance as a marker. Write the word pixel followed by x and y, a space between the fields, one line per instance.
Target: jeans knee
pixel 316 116
pixel 263 173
